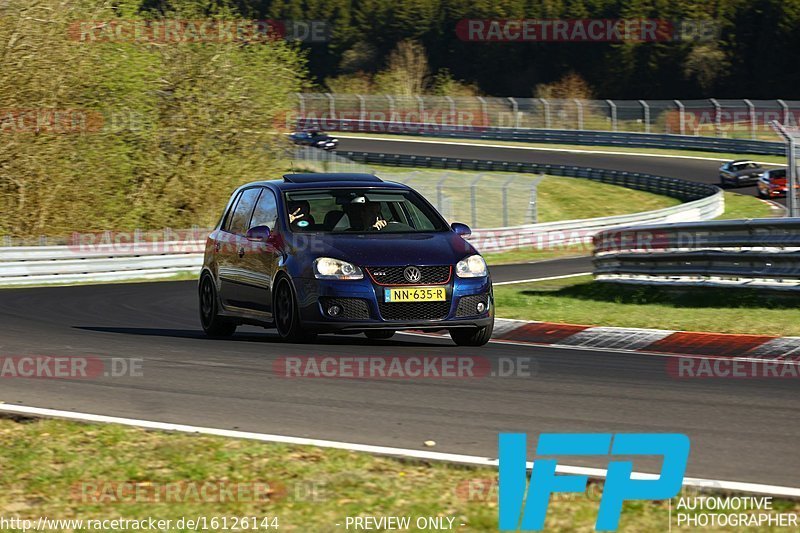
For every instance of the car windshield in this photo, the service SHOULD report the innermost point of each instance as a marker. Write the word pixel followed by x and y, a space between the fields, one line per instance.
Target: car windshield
pixel 745 165
pixel 361 211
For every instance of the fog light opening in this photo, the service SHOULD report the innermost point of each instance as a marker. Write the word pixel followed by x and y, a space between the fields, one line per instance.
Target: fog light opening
pixel 481 307
pixel 334 310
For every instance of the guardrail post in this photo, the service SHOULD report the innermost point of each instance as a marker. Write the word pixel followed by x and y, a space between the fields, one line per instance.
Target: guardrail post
pixel 785 107
pixel 515 110
pixel 645 115
pixel 681 116
pixel 579 106
pixel 751 111
pixel 613 108
pixel 331 105
pixel 473 197
pixel 717 116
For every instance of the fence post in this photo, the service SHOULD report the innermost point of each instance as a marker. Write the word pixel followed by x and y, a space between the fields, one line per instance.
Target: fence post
pixel 332 105
pixel 474 200
pixel 505 200
pixel 546 106
pixel 452 109
pixel 613 108
pixel 485 111
pixel 302 100
pixel 785 112
pixel 362 108
pixel 421 105
pixel 681 116
pixel 717 116
pixel 646 115
pixel 515 109
pixel 390 118
pixel 533 203
pixel 439 193
pixel 752 112
pixel 579 105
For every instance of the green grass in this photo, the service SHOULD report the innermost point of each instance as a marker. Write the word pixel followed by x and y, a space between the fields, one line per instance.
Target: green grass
pixel 583 148
pixel 559 198
pixel 47 462
pixel 745 206
pixel 580 300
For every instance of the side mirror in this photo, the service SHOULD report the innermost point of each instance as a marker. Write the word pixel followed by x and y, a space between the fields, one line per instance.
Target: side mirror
pixel 461 229
pixel 258 234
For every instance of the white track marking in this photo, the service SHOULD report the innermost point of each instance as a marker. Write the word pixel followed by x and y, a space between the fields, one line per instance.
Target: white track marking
pixel 545 149
pixel 381 450
pixel 532 280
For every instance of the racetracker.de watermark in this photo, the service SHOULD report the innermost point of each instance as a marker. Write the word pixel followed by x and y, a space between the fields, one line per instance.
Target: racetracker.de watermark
pixel 403 367
pixel 135 492
pixel 728 368
pixel 69 367
pixel 585 30
pixel 183 31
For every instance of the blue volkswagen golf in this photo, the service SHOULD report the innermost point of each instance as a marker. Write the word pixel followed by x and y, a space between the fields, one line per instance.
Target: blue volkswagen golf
pixel 342 253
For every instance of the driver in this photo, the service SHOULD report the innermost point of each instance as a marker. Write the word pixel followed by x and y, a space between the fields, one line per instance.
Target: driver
pixel 370 216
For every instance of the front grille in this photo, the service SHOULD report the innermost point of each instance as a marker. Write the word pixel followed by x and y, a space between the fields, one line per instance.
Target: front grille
pixel 467 305
pixel 409 311
pixel 352 308
pixel 393 275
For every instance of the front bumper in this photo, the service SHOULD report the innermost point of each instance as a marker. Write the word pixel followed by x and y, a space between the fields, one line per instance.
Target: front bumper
pixel 315 295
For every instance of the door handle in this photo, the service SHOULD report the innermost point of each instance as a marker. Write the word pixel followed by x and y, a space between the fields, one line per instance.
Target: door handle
pixel 217 247
pixel 241 251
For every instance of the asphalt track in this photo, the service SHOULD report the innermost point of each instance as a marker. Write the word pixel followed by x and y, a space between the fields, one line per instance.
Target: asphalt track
pixel 699 170
pixel 741 429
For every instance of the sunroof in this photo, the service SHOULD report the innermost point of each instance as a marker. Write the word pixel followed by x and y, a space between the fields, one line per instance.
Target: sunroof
pixel 322 177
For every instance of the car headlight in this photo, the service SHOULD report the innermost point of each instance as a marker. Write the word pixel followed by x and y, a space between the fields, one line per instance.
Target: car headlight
pixel 329 268
pixel 472 267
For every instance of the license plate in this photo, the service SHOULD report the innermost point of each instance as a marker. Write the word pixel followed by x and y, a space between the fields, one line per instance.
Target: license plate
pixel 415 294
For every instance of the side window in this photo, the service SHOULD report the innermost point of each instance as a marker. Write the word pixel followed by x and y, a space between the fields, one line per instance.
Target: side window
pixel 228 215
pixel 244 208
pixel 266 213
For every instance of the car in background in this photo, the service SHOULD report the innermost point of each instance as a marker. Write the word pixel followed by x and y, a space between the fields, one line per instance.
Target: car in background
pixel 739 173
pixel 342 253
pixel 772 183
pixel 314 138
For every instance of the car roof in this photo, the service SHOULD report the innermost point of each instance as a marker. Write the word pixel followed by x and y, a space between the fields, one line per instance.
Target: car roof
pixel 735 161
pixel 326 179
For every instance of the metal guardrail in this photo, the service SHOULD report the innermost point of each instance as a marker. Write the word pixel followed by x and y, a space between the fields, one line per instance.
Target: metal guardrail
pixel 29 265
pixel 548 136
pixel 132 260
pixel 747 253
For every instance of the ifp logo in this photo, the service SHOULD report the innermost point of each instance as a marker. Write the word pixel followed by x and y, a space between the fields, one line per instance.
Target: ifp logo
pixel 526 510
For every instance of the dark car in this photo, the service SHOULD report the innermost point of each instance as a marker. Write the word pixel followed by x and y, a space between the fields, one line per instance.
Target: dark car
pixel 317 139
pixel 342 253
pixel 739 173
pixel 773 183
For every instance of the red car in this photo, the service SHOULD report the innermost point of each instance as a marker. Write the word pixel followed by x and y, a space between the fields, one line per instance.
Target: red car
pixel 772 183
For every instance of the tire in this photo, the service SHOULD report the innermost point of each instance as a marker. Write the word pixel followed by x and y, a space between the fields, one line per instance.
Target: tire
pixel 379 334
pixel 287 314
pixel 214 325
pixel 472 336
